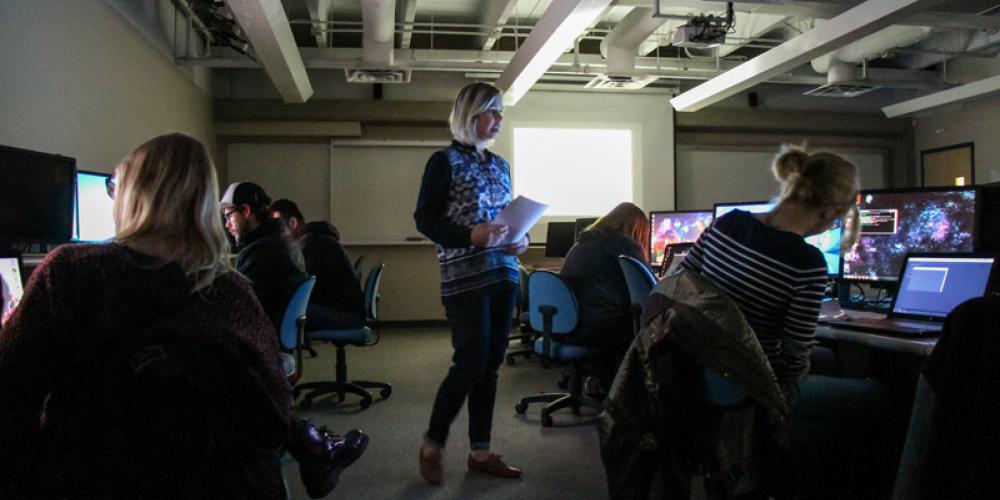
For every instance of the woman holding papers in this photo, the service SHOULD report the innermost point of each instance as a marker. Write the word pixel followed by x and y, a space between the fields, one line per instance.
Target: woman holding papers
pixel 463 189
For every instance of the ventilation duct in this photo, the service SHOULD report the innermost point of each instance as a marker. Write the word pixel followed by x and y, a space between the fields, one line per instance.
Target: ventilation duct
pixel 622 46
pixel 872 46
pixel 843 81
pixel 620 82
pixel 379 19
pixel 377 75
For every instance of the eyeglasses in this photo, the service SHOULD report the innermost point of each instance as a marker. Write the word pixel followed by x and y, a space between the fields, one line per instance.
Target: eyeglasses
pixel 111 184
pixel 227 213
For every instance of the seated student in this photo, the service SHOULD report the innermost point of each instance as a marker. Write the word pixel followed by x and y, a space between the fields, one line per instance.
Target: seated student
pixel 337 301
pixel 778 280
pixel 165 279
pixel 592 271
pixel 273 263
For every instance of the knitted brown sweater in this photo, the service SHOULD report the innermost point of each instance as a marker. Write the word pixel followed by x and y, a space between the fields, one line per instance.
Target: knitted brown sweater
pixel 81 296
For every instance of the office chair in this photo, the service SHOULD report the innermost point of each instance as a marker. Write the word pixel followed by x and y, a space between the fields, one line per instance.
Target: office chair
pixel 554 311
pixel 342 338
pixel 293 325
pixel 527 335
pixel 357 267
pixel 640 281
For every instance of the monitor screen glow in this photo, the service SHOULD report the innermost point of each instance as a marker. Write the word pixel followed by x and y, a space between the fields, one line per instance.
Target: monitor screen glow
pixel 668 228
pixel 92 217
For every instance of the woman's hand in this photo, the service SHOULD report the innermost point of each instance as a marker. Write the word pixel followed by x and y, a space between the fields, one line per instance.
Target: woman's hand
pixel 486 235
pixel 516 248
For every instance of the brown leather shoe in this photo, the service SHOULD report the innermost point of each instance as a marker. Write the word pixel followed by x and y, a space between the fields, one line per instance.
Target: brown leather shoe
pixel 430 468
pixel 494 466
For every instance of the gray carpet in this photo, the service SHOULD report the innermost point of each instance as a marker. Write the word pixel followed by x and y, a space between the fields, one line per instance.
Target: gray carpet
pixel 559 462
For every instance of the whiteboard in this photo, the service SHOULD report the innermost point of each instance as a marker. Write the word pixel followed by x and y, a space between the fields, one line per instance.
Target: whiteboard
pixel 374 189
pixel 706 176
pixel 297 171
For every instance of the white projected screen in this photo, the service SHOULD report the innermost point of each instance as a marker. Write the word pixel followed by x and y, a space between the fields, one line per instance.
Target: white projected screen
pixel 575 171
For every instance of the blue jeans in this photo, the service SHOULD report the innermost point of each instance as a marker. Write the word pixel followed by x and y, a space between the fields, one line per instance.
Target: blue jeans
pixel 480 326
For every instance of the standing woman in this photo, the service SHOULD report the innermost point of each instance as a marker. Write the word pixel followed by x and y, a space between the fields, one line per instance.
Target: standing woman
pixel 464 187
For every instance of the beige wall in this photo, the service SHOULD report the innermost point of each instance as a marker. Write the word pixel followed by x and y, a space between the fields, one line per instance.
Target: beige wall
pixel 976 122
pixel 78 80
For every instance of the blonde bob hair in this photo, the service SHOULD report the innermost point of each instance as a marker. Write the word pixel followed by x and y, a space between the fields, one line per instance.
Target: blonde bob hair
pixel 820 181
pixel 167 191
pixel 626 219
pixel 472 100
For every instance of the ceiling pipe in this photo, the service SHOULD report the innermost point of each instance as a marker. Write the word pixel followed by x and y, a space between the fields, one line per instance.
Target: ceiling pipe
pixel 871 46
pixel 379 17
pixel 621 46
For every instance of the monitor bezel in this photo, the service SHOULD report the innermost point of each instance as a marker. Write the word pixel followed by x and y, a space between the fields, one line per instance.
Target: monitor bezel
pixel 891 283
pixel 76 202
pixel 715 206
pixel 567 224
pixel 72 164
pixel 962 255
pixel 652 212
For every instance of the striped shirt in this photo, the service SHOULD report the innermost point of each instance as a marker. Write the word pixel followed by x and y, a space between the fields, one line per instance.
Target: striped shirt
pixel 776 279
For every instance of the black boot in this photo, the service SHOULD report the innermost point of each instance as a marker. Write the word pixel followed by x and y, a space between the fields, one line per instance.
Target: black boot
pixel 322 455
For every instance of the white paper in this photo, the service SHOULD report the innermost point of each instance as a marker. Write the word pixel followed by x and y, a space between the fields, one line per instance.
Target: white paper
pixel 519 216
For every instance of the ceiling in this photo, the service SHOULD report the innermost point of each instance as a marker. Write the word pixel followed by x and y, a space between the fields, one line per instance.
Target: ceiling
pixel 829 48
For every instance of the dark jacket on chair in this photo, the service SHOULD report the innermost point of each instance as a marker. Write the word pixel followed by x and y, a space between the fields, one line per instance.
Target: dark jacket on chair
pixel 337 287
pixel 657 432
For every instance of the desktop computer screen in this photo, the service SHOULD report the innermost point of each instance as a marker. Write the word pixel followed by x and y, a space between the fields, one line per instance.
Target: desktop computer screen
pixel 668 228
pixel 894 222
pixel 92 212
pixel 559 238
pixel 11 284
pixel 36 196
pixel 827 242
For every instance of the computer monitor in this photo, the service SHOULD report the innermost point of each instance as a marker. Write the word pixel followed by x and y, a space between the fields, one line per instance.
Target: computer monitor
pixel 36 196
pixel 559 238
pixel 92 210
pixel 11 283
pixel 670 227
pixel 894 222
pixel 582 224
pixel 828 242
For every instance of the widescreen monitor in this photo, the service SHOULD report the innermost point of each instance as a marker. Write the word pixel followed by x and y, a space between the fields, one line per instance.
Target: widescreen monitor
pixel 559 238
pixel 582 224
pixel 895 222
pixel 828 242
pixel 92 212
pixel 668 228
pixel 36 196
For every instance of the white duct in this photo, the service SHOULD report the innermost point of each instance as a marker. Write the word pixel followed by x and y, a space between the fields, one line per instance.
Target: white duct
pixel 871 46
pixel 621 46
pixel 379 17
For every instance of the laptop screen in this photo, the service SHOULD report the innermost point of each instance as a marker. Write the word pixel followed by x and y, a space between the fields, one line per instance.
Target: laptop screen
pixel 933 286
pixel 12 288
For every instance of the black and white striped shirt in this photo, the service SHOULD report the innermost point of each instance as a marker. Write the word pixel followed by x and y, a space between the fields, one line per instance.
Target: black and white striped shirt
pixel 776 279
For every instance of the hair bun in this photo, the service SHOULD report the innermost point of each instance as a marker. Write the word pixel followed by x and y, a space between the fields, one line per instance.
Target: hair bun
pixel 789 163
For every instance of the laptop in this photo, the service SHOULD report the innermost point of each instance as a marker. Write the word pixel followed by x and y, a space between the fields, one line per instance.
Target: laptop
pixel 931 285
pixel 11 283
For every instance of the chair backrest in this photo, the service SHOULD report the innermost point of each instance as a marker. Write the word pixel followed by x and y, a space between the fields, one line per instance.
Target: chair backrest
pixel 296 309
pixel 639 278
pixel 522 297
pixel 371 291
pixel 357 267
pixel 546 288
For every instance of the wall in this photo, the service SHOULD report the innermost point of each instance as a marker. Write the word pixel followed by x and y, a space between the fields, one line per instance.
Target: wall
pixel 78 80
pixel 977 123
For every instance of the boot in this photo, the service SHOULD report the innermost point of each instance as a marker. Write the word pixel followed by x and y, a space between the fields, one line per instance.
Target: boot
pixel 323 455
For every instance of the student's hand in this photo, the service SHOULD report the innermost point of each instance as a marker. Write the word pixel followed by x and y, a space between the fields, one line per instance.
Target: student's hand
pixel 516 248
pixel 486 235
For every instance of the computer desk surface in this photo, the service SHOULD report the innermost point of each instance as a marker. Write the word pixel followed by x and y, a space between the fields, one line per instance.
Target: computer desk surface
pixel 921 346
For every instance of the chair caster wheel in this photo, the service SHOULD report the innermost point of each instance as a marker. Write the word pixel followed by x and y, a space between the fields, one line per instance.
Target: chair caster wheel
pixel 520 408
pixel 385 392
pixel 365 403
pixel 546 421
pixel 563 384
pixel 305 404
pixel 510 360
pixel 341 396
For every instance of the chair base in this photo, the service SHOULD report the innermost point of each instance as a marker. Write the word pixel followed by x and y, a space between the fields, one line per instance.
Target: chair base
pixel 341 387
pixel 525 353
pixel 557 401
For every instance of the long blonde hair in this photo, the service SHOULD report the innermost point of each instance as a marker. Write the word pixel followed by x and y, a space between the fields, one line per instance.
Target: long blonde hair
pixel 626 219
pixel 167 191
pixel 820 181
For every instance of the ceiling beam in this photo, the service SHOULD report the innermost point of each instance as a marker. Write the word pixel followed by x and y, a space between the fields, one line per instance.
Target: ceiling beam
pixel 406 12
pixel 554 32
pixel 319 12
pixel 852 25
pixel 494 16
pixel 266 26
pixel 979 89
pixel 379 19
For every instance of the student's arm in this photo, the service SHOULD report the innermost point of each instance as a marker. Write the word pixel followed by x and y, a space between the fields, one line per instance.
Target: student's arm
pixel 800 325
pixel 433 202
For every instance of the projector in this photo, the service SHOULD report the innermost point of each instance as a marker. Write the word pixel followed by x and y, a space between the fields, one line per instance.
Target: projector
pixel 699 33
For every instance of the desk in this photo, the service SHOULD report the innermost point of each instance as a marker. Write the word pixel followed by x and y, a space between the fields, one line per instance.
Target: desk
pixel 922 346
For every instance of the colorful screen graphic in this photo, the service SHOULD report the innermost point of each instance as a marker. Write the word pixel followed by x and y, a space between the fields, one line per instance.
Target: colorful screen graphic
pixel 10 287
pixel 894 223
pixel 668 228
